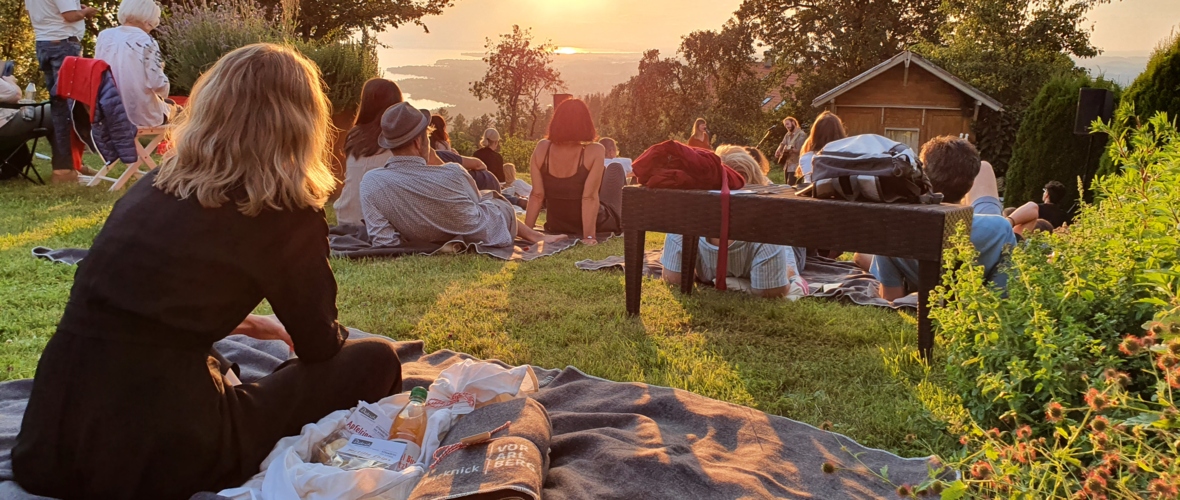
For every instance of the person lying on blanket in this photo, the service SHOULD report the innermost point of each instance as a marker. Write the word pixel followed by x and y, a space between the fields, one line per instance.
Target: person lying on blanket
pixel 762 269
pixel 956 171
pixel 130 400
pixel 416 198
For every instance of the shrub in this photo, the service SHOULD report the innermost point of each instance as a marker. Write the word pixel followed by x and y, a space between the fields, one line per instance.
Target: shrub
pixel 196 35
pixel 1072 297
pixel 518 152
pixel 16 44
pixel 1155 89
pixel 1047 149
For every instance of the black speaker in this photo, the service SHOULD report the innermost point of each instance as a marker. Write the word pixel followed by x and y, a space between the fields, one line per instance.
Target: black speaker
pixel 1093 104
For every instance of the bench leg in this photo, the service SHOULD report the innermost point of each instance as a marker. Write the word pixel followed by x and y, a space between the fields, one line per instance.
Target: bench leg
pixel 633 243
pixel 688 262
pixel 929 273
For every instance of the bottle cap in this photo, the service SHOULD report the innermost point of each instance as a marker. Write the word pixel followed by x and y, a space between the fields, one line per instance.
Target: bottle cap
pixel 418 394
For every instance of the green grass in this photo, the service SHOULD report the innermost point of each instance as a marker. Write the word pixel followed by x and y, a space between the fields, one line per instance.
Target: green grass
pixel 813 360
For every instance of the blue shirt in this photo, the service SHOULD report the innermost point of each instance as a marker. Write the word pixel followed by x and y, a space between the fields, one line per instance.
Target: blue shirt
pixel 991 234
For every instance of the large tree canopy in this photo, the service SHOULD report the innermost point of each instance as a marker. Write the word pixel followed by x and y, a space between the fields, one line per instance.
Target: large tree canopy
pixel 519 76
pixel 320 19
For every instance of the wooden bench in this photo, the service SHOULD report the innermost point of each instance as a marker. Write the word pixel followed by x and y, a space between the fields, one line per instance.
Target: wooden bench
pixel 773 214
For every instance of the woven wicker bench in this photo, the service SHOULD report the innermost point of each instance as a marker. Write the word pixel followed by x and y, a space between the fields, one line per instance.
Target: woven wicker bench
pixel 773 214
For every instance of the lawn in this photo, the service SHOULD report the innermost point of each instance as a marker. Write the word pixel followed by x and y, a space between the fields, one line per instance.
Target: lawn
pixel 816 361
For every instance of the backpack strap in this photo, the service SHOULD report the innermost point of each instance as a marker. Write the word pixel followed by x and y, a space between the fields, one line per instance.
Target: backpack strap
pixel 723 247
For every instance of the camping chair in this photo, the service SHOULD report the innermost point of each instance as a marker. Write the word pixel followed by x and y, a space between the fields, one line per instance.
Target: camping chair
pixel 27 170
pixel 154 136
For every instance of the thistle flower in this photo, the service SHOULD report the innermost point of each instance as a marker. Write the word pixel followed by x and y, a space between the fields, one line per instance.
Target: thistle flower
pixel 1168 361
pixel 1174 347
pixel 1115 377
pixel 963 440
pixel 1054 412
pixel 994 434
pixel 1131 345
pixel 1095 484
pixel 827 425
pixel 1099 424
pixel 905 491
pixel 1160 488
pixel 1095 399
pixel 982 470
pixel 828 468
pixel 1024 432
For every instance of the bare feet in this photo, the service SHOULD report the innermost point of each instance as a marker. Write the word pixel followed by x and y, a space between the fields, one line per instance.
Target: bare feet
pixel 553 238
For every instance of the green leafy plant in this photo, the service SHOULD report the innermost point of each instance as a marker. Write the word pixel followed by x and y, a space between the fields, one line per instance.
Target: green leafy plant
pixel 518 152
pixel 1072 296
pixel 1155 89
pixel 345 66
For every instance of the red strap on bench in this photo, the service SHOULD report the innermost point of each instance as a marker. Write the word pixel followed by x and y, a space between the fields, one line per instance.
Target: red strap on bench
pixel 723 245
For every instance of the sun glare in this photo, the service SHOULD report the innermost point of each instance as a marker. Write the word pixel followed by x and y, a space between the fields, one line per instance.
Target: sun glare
pixel 566 51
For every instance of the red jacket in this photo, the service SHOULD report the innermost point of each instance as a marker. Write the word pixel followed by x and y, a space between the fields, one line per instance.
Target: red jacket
pixel 672 165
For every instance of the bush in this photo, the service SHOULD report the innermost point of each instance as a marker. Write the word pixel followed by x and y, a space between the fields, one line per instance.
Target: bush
pixel 16 44
pixel 196 35
pixel 1155 89
pixel 1080 398
pixel 1047 149
pixel 518 152
pixel 1072 297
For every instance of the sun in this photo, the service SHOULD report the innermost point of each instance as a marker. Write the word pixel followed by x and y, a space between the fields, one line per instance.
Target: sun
pixel 568 51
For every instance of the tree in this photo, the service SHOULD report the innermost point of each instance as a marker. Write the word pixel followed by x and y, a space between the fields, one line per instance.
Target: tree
pixel 1047 149
pixel 335 19
pixel 718 66
pixel 827 42
pixel 519 75
pixel 16 43
pixel 1009 49
pixel 1158 87
pixel 651 107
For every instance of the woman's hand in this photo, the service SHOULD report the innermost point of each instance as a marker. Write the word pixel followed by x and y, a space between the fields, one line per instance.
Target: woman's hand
pixel 265 328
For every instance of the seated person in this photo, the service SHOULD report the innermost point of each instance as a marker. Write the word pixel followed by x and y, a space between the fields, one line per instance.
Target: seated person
pixel 360 146
pixel 612 155
pixel 16 126
pixel 489 154
pixel 184 257
pixel 770 270
pixel 956 171
pixel 1050 209
pixel 580 194
pixel 136 63
pixel 417 199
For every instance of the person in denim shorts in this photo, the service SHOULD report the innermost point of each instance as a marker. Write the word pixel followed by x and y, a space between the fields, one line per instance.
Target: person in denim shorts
pixel 59 26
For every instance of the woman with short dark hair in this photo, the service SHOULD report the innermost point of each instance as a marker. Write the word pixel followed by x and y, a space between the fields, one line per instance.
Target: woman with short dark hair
pixel 581 195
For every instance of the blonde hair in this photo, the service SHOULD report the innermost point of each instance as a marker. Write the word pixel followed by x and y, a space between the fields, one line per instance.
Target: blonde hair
pixel 141 11
pixel 257 120
pixel 489 136
pixel 741 161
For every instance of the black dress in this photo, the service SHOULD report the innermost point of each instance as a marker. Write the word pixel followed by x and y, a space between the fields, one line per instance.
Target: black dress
pixel 563 201
pixel 129 402
pixel 493 160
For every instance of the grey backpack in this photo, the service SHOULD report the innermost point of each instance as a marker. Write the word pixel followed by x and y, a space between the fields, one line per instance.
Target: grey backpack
pixel 873 168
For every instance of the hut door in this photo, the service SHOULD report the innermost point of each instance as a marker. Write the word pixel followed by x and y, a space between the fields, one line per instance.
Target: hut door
pixel 908 136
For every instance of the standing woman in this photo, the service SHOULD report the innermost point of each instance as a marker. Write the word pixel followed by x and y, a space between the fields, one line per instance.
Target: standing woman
pixel 361 147
pixel 130 400
pixel 136 63
pixel 790 148
pixel 700 135
pixel 827 128
pixel 439 140
pixel 489 154
pixel 581 196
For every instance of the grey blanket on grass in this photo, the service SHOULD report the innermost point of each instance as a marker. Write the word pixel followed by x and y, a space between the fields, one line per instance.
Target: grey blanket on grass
pixel 618 440
pixel 827 278
pixel 352 242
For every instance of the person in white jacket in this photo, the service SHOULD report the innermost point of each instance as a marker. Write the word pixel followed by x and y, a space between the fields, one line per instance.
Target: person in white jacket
pixel 136 63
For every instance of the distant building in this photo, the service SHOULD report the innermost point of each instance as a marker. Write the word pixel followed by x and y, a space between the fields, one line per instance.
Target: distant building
pixel 908 99
pixel 774 99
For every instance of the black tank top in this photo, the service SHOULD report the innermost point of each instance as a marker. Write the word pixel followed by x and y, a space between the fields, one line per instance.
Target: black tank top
pixel 563 197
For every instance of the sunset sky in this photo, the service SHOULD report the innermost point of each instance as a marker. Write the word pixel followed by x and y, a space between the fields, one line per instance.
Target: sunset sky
pixel 1127 27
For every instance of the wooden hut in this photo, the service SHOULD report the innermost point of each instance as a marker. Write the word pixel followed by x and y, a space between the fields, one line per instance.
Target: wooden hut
pixel 908 99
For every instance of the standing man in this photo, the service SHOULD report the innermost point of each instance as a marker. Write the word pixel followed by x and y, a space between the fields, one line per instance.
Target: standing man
pixel 59 26
pixel 788 151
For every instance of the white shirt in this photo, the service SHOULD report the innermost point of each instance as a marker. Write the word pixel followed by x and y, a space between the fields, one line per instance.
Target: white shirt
pixel 805 165
pixel 9 93
pixel 138 69
pixel 48 25
pixel 624 162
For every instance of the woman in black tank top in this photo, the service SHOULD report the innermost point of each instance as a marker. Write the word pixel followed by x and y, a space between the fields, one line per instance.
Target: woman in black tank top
pixel 581 196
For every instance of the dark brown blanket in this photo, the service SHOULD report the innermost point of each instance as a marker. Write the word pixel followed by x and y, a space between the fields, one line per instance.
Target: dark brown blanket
pixel 621 440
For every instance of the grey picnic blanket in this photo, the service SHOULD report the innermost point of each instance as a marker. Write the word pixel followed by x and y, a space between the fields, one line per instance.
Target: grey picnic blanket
pixel 352 242
pixel 826 278
pixel 618 439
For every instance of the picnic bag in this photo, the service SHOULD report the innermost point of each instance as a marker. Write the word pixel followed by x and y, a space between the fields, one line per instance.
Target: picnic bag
pixel 291 473
pixel 872 168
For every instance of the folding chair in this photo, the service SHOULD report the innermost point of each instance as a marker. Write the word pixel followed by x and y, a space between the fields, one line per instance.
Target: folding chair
pixel 154 135
pixel 28 171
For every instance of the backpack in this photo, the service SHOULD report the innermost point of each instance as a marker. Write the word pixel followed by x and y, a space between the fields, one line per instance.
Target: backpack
pixel 872 168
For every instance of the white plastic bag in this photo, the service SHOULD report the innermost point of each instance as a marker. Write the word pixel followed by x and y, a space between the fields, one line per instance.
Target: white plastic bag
pixel 289 474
